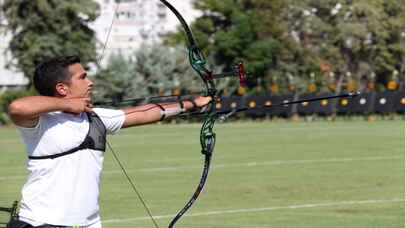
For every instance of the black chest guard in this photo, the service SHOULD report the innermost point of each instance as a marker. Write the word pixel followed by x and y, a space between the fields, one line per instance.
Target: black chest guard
pixel 95 138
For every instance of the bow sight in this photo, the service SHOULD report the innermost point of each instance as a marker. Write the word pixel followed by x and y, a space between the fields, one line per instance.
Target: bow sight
pixel 237 71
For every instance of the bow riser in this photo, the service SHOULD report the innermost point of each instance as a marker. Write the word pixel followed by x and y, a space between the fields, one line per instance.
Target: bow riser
pixel 207 136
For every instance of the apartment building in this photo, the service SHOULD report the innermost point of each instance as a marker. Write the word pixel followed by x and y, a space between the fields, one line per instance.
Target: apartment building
pixel 9 78
pixel 137 22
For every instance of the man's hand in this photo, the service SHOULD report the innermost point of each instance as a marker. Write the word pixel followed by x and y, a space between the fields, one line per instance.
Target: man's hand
pixel 77 105
pixel 202 101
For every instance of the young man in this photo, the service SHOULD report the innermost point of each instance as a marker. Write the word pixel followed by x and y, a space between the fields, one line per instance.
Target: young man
pixel 65 139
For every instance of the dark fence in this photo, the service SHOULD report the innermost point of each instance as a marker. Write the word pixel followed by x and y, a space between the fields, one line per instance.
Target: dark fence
pixel 267 105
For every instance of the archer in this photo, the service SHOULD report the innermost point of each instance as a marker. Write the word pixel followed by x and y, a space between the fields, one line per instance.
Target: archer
pixel 65 137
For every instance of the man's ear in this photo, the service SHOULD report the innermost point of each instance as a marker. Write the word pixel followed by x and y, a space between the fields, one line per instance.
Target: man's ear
pixel 61 89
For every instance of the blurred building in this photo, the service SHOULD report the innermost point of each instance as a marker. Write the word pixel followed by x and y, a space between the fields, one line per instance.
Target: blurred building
pixel 9 78
pixel 137 22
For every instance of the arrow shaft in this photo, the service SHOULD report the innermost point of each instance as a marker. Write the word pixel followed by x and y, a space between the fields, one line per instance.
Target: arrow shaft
pixel 347 95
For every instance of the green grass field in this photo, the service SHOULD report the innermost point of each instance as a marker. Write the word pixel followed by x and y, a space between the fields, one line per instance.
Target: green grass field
pixel 298 175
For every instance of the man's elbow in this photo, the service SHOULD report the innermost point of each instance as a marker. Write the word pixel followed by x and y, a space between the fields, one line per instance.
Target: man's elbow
pixel 20 115
pixel 15 109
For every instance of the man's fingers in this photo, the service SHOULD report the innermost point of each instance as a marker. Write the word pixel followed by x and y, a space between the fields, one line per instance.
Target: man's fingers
pixel 88 109
pixel 203 101
pixel 88 106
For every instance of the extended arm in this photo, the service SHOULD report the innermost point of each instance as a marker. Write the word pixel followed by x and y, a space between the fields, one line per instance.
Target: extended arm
pixel 151 113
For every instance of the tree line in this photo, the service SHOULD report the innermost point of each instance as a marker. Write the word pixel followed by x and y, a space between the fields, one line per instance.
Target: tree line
pixel 288 46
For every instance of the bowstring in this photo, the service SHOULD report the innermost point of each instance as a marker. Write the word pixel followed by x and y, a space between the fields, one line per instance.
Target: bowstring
pixel 115 155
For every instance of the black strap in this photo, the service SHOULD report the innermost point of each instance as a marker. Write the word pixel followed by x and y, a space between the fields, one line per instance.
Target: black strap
pixel 50 226
pixel 53 156
pixel 191 101
pixel 163 111
pixel 20 224
pixel 15 223
pixel 95 139
pixel 181 105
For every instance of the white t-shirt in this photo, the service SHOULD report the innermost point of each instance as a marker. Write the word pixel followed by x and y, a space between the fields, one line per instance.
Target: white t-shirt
pixel 65 190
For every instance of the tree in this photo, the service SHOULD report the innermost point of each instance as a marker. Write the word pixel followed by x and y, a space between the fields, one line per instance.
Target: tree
pixel 357 38
pixel 235 30
pixel 113 81
pixel 46 28
pixel 152 70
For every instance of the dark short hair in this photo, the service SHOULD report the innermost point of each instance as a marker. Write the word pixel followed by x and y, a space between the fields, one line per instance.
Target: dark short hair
pixel 51 72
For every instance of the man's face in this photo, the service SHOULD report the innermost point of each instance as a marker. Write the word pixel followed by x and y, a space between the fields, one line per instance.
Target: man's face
pixel 80 86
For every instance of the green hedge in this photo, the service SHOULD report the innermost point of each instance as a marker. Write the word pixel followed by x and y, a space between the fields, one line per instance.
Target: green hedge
pixel 6 98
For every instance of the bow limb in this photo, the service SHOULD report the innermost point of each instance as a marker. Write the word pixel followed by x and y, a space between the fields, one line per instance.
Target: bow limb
pixel 207 136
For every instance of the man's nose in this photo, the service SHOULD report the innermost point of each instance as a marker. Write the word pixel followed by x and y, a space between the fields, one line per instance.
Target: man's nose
pixel 90 82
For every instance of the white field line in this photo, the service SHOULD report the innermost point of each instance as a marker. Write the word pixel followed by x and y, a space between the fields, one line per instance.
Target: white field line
pixel 238 165
pixel 255 164
pixel 265 209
